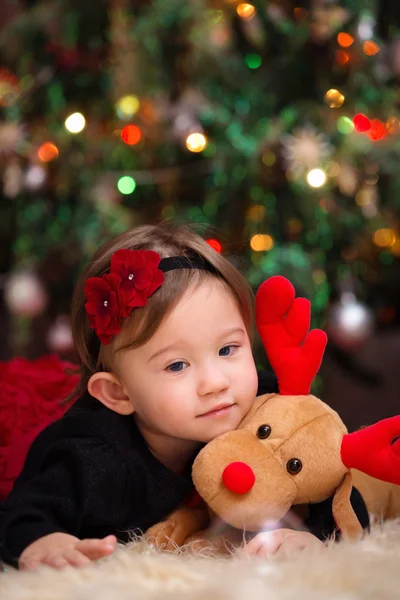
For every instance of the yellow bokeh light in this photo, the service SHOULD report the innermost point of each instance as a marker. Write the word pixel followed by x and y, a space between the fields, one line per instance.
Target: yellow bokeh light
pixel 364 197
pixel 393 125
pixel 316 178
pixel 196 142
pixel 261 242
pixel 384 237
pixel 127 106
pixel 246 11
pixel 75 123
pixel 334 98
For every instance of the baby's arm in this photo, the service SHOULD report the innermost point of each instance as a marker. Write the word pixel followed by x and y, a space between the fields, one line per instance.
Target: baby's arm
pixel 64 493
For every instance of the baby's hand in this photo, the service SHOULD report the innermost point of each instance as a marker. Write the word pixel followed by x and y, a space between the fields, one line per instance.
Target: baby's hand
pixel 282 543
pixel 60 550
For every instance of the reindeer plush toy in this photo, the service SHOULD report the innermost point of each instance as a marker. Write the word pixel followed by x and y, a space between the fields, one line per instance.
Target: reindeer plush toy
pixel 291 449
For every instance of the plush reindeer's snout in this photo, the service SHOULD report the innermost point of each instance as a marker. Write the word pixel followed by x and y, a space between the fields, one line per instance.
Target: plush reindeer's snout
pixel 238 477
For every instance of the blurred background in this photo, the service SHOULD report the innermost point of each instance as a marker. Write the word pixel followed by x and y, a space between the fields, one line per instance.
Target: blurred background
pixel 273 125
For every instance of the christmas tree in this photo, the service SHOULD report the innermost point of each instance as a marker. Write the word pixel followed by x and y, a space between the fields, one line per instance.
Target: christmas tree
pixel 274 125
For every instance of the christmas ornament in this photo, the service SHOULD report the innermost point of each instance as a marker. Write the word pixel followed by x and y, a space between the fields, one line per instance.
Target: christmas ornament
pixel 24 294
pixel 350 323
pixel 305 149
pixel 59 335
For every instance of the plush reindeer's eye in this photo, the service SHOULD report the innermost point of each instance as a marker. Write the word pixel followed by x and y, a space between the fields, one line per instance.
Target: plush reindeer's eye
pixel 294 466
pixel 263 432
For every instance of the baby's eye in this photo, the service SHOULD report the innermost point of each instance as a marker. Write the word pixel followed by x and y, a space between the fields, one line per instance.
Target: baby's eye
pixel 176 366
pixel 227 350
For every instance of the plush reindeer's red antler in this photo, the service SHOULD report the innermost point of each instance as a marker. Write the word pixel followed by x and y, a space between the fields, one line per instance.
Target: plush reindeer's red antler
pixel 375 450
pixel 283 323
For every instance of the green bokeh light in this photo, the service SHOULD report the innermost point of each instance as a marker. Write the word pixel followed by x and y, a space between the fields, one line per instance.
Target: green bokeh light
pixel 345 125
pixel 253 61
pixel 126 185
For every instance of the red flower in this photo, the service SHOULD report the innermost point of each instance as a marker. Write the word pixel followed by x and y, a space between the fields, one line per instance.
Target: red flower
pixel 103 305
pixel 140 276
pixel 30 395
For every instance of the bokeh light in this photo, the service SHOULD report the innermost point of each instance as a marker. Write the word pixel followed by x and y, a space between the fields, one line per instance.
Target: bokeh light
pixel 393 125
pixel 261 242
pixel 47 152
pixel 126 185
pixel 334 98
pixel 361 123
pixel 316 178
pixel 215 244
pixel 131 135
pixel 342 57
pixel 75 123
pixel 377 130
pixel 345 40
pixel 245 11
pixel 196 142
pixel 384 237
pixel 127 106
pixel 370 48
pixel 253 61
pixel 345 125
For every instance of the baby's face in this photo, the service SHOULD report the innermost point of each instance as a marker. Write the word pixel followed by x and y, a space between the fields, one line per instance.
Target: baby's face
pixel 195 378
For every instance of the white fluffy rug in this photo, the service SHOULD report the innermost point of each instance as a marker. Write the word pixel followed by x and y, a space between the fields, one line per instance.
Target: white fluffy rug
pixel 367 570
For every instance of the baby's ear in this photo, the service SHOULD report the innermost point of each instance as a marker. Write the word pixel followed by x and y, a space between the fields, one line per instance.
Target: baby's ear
pixel 108 390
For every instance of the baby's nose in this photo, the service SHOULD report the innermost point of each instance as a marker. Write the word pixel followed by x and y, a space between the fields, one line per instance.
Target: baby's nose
pixel 238 477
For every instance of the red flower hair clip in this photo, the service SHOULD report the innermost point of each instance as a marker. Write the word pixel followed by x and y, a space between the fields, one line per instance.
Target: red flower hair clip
pixel 134 276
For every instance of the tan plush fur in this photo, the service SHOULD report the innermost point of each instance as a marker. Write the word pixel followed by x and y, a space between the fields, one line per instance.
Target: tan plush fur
pixel 367 569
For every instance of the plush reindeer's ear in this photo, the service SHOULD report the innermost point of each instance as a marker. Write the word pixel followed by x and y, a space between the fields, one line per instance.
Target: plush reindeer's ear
pixel 343 513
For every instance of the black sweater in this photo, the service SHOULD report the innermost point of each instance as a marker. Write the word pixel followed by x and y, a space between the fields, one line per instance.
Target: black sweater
pixel 91 474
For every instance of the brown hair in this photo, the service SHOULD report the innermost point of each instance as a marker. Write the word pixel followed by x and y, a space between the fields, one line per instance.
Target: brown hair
pixel 168 240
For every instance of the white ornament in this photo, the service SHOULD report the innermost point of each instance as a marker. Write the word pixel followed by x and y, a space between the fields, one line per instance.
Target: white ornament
pixel 59 335
pixel 24 294
pixel 350 323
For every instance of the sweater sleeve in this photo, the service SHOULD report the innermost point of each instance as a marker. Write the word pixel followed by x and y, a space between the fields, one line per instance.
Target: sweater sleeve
pixel 76 488
pixel 321 522
pixel 267 383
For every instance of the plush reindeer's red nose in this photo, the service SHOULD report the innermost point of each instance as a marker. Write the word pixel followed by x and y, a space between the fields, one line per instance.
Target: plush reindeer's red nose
pixel 238 477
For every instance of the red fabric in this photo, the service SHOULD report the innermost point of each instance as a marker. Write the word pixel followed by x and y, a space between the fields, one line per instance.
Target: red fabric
pixel 374 451
pixel 238 477
pixel 30 395
pixel 283 322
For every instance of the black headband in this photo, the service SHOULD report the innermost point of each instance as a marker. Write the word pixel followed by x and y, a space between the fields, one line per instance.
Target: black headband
pixel 183 262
